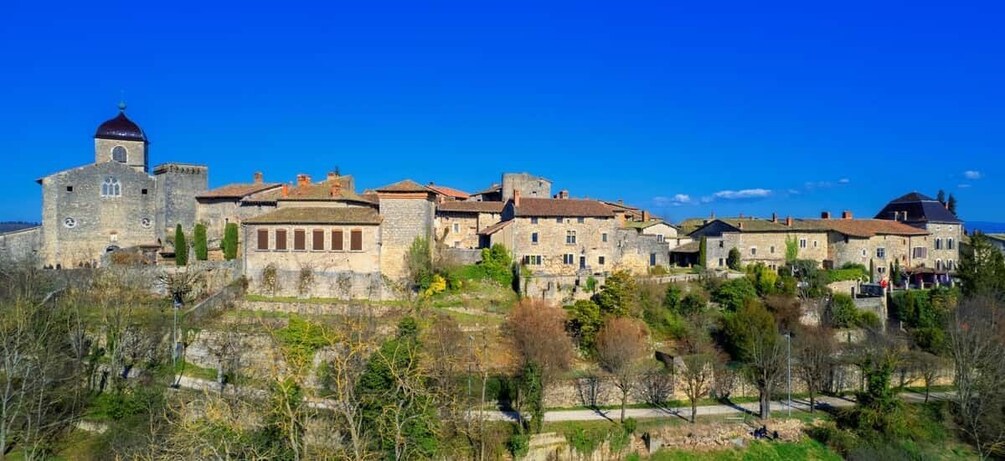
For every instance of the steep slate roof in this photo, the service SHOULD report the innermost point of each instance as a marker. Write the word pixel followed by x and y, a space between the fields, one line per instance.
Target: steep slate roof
pixel 549 207
pixel 448 191
pixel 237 190
pixel 328 215
pixel 494 228
pixel 471 207
pixel 919 208
pixel 406 185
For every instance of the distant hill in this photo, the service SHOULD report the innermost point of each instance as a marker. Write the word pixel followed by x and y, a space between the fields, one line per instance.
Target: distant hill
pixel 985 227
pixel 10 226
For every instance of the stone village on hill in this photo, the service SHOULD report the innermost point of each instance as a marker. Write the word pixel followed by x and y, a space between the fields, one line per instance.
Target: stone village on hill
pixel 355 243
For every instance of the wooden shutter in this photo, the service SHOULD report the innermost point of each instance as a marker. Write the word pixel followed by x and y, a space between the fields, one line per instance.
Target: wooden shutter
pixel 356 240
pixel 281 239
pixel 299 239
pixel 337 240
pixel 318 240
pixel 263 239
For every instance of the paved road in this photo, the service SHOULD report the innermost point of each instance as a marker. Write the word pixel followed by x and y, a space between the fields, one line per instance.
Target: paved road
pixel 738 410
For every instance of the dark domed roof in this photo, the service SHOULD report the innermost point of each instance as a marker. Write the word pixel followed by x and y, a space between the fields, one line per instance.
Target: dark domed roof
pixel 121 128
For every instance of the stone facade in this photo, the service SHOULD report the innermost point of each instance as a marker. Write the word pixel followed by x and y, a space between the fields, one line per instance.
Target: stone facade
pixel 113 203
pixel 406 217
pixel 529 185
pixel 21 244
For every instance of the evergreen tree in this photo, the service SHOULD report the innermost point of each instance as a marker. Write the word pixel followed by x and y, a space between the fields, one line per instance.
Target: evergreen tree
pixel 733 259
pixel 229 244
pixel 982 269
pixel 180 247
pixel 702 248
pixel 199 243
pixel 951 204
pixel 941 197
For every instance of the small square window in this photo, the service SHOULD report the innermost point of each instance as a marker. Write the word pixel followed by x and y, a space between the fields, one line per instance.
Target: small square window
pixel 533 238
pixel 558 220
pixel 580 220
pixel 771 249
pixel 603 237
pixel 69 188
pixel 601 260
pixel 143 191
pixel 533 220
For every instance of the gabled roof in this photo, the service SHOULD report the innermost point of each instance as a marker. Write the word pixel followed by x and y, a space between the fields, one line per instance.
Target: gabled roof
pixel 448 191
pixel 334 189
pixel 495 228
pixel 645 225
pixel 458 206
pixel 406 185
pixel 690 247
pixel 237 190
pixel 327 215
pixel 495 188
pixel 861 227
pixel 549 207
pixel 919 208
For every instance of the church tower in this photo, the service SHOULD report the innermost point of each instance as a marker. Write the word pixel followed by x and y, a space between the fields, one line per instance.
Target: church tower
pixel 121 140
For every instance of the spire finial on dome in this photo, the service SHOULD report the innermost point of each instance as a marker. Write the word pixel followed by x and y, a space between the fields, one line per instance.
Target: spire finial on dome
pixel 122 100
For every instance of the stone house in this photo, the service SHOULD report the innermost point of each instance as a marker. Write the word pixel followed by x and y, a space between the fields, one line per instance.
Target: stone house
pixel 759 241
pixel 233 203
pixel 459 222
pixel 408 211
pixel 114 203
pixel 942 252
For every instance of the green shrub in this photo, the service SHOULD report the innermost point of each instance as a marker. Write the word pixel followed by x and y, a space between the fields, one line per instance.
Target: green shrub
pixel 199 244
pixel 230 241
pixel 518 445
pixel 852 272
pixel 630 425
pixel 733 259
pixel 180 247
pixel 733 294
pixel 498 264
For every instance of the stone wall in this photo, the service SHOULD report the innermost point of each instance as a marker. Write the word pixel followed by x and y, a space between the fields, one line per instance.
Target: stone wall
pixel 137 153
pixel 944 233
pixel 594 239
pixel 404 219
pixel 529 186
pixel 177 186
pixel 460 229
pixel 215 214
pixel 20 245
pixel 764 247
pixel 79 225
pixel 638 252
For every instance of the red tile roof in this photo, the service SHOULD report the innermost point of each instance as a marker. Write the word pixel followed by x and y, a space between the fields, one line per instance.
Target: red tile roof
pixel 862 227
pixel 330 215
pixel 549 207
pixel 448 191
pixel 471 207
pixel 406 185
pixel 237 190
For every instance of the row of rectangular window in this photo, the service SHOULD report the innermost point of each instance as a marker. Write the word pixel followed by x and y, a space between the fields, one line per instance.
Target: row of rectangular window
pixel 317 240
pixel 560 220
pixel 570 237
pixel 568 258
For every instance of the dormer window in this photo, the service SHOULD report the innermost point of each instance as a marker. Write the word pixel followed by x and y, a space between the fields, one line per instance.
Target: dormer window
pixel 111 187
pixel 119 154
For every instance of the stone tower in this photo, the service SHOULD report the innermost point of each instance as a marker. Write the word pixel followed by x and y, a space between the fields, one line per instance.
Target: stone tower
pixel 121 140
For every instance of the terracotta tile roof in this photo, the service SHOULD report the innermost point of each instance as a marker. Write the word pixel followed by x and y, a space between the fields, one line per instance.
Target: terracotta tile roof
pixel 471 207
pixel 319 191
pixel 494 228
pixel 448 191
pixel 406 185
pixel 861 227
pixel 237 190
pixel 550 207
pixel 328 215
pixel 622 206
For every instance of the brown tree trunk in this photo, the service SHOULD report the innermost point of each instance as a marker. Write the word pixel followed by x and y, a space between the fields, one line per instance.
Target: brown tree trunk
pixel 765 404
pixel 813 401
pixel 694 410
pixel 624 401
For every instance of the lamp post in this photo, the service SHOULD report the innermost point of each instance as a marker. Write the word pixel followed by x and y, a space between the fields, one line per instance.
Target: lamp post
pixel 174 340
pixel 788 368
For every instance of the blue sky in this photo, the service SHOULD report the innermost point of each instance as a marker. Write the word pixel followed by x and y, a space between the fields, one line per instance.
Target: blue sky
pixel 682 107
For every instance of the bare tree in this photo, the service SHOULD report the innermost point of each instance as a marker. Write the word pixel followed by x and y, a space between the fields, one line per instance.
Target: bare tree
pixel 538 333
pixel 977 346
pixel 697 375
pixel 621 344
pixel 814 349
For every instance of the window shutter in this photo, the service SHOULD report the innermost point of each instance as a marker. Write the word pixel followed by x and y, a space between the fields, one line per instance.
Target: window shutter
pixel 337 240
pixel 299 239
pixel 318 240
pixel 263 239
pixel 356 240
pixel 281 239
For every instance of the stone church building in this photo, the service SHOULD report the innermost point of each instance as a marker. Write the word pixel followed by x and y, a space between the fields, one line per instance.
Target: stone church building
pixel 115 202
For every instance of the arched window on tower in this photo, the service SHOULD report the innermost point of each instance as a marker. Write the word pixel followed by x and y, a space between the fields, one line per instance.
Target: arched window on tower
pixel 119 154
pixel 111 187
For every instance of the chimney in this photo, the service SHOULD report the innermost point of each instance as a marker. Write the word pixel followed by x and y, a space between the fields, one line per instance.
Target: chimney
pixel 563 194
pixel 645 216
pixel 825 215
pixel 846 214
pixel 332 176
pixel 286 190
pixel 621 202
pixel 258 178
pixel 739 225
pixel 303 180
pixel 774 217
pixel 788 221
pixel 516 197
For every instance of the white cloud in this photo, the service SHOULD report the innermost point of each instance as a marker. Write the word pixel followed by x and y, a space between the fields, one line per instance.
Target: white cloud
pixel 844 181
pixel 742 194
pixel 963 186
pixel 676 200
pixel 972 174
